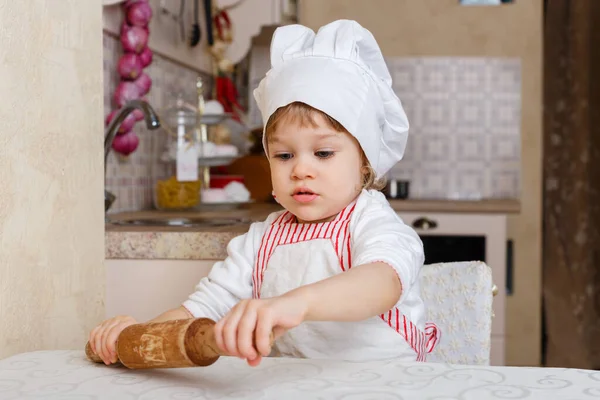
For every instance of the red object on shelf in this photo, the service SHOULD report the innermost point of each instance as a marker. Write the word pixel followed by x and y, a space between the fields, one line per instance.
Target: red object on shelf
pixel 227 95
pixel 220 181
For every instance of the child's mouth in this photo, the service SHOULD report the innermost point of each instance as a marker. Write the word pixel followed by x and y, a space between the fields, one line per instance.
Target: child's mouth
pixel 303 195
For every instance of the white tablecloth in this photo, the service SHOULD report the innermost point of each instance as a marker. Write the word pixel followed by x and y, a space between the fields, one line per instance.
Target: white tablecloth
pixel 68 375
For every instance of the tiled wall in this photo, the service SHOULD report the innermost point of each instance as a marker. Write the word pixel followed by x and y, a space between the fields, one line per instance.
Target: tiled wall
pixel 131 179
pixel 465 116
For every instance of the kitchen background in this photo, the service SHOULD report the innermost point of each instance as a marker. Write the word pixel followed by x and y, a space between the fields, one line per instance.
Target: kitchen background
pixel 465 119
pixel 472 96
pixel 464 113
pixel 130 178
pixel 534 106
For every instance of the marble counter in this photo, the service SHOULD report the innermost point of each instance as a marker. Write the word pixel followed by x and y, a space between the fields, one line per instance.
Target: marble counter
pixel 210 243
pixel 179 242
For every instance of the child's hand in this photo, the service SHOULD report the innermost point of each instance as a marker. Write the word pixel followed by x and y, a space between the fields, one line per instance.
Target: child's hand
pixel 103 338
pixel 252 321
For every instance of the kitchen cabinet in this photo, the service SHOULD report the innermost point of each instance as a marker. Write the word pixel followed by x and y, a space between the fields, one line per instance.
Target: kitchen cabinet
pixel 146 288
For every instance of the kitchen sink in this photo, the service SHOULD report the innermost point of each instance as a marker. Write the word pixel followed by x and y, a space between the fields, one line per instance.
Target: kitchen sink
pixel 181 221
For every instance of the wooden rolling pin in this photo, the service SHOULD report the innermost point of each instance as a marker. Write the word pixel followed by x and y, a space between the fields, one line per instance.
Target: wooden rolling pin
pixel 170 344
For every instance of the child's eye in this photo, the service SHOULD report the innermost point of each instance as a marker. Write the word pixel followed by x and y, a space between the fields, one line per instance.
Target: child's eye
pixel 283 156
pixel 324 154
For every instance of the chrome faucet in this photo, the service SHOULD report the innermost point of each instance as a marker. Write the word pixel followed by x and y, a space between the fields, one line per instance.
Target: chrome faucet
pixel 152 122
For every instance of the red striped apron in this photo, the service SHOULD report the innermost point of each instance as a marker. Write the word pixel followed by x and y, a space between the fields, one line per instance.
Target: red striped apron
pixel 284 230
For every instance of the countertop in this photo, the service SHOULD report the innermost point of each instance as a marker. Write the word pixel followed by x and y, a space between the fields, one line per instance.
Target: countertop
pixel 67 374
pixel 210 242
pixel 179 242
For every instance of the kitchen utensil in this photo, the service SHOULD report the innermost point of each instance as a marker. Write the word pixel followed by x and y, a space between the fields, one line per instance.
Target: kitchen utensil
pixel 177 17
pixel 195 36
pixel 170 344
pixel 209 22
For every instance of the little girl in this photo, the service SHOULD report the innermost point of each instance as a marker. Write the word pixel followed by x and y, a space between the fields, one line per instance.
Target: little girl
pixel 335 274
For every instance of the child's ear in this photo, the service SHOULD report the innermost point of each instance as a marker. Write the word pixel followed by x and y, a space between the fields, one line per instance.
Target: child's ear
pixel 364 173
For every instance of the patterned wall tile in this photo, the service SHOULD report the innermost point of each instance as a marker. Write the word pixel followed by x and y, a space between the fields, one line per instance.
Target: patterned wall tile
pixel 469 181
pixel 505 148
pixel 433 116
pixel 472 113
pixel 471 148
pixel 470 76
pixel 435 178
pixel 435 148
pixel 504 178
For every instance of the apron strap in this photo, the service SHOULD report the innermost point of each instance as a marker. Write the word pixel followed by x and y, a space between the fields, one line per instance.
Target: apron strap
pixel 433 335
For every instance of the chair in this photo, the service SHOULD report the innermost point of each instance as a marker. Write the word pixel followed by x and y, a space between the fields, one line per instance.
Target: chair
pixel 458 297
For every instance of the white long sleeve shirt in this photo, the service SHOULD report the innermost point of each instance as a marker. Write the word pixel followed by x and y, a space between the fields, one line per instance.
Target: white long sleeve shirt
pixel 279 255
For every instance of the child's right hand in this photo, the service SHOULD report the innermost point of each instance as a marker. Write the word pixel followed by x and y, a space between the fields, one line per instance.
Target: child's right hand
pixel 103 338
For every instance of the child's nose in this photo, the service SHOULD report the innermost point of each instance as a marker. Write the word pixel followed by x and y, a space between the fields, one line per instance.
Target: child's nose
pixel 302 169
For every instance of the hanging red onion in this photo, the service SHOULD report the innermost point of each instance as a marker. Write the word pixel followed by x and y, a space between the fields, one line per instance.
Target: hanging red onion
pixel 146 57
pixel 138 114
pixel 126 91
pixel 134 83
pixel 143 83
pixel 130 66
pixel 126 144
pixel 133 38
pixel 126 125
pixel 139 13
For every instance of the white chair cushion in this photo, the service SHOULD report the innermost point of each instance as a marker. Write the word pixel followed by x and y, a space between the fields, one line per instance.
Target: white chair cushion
pixel 458 297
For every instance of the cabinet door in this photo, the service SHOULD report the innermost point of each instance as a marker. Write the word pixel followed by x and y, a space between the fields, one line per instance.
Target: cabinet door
pixel 146 288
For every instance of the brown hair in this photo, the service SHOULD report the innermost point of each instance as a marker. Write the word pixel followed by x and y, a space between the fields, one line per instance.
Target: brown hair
pixel 303 114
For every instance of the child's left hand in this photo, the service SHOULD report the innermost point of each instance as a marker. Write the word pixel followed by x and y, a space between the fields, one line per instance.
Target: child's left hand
pixel 256 319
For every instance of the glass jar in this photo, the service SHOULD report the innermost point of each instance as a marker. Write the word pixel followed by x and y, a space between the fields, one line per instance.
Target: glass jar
pixel 176 182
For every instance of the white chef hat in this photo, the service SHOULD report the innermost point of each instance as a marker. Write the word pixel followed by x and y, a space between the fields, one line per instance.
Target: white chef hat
pixel 340 71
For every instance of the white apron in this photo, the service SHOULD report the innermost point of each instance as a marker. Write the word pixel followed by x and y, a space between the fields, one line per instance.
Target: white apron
pixel 291 255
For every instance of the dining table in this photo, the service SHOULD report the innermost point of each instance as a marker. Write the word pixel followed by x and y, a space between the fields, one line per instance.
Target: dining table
pixel 68 374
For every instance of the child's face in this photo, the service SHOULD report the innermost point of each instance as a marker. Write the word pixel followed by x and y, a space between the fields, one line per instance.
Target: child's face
pixel 315 171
